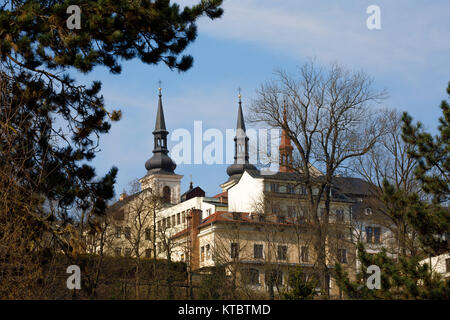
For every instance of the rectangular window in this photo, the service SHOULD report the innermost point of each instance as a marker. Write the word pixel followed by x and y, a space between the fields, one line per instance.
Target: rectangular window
pixel 148 253
pixel 447 265
pixel 282 252
pixel 292 211
pixel 342 255
pixel 274 277
pixel 274 187
pixel 208 212
pixel 202 254
pixel 376 234
pixel 251 276
pixel 275 209
pixel 128 252
pixel 159 247
pixel 118 232
pixel 178 218
pixel 339 215
pixel 290 188
pixel 304 254
pixel 369 234
pixel 173 221
pixel 127 232
pixel 234 252
pixel 147 234
pixel 168 222
pixel 258 251
pixel 118 251
pixel 184 217
pixel 159 225
pixel 208 252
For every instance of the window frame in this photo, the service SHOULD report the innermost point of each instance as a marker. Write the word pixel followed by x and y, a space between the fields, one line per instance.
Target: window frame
pixel 282 252
pixel 258 251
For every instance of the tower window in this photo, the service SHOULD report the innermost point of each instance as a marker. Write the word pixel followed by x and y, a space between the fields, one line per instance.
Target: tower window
pixel 342 255
pixel 166 194
pixel 290 188
pixel 234 252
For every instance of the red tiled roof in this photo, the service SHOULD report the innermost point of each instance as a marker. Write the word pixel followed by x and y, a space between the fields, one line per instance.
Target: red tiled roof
pixel 227 216
pixel 179 234
pixel 223 194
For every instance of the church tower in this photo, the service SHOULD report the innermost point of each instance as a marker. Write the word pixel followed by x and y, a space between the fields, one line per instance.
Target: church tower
pixel 161 177
pixel 241 157
pixel 285 148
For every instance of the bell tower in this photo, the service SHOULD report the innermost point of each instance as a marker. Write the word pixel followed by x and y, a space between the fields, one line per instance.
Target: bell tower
pixel 285 148
pixel 161 177
pixel 241 157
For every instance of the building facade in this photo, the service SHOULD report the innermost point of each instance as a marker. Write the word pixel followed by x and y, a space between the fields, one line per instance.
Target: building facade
pixel 257 228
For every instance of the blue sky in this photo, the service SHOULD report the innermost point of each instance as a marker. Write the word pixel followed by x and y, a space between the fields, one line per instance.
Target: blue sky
pixel 409 57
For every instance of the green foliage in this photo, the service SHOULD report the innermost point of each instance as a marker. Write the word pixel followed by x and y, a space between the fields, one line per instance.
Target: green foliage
pixel 50 126
pixel 403 278
pixel 55 119
pixel 432 153
pixel 432 218
pixel 154 31
pixel 301 288
pixel 214 285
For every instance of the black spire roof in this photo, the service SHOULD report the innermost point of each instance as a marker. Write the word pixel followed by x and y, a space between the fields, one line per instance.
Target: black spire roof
pixel 241 162
pixel 240 120
pixel 160 162
pixel 160 124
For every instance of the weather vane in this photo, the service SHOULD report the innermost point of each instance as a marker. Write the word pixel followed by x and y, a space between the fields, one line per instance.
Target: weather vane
pixel 159 85
pixel 239 90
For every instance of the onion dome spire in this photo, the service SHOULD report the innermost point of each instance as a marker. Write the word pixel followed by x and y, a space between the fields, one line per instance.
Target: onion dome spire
pixel 160 162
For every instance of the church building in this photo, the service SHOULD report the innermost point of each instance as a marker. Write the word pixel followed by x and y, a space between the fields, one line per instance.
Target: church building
pixel 255 228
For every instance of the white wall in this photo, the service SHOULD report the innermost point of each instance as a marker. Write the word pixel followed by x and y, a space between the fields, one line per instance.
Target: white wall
pixel 438 264
pixel 243 196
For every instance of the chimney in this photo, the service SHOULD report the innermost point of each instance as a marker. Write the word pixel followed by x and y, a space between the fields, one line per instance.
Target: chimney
pixel 122 196
pixel 194 217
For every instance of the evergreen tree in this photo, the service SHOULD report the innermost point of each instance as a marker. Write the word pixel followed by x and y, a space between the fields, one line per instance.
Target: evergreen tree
pixel 37 50
pixel 50 125
pixel 431 218
pixel 403 276
pixel 301 288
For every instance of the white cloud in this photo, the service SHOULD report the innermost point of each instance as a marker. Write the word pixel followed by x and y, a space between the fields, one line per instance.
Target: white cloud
pixel 410 34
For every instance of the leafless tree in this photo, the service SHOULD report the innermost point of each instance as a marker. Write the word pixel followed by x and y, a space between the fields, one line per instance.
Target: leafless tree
pixel 388 160
pixel 329 121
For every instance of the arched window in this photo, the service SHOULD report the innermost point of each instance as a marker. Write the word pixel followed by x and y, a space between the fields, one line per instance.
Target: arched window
pixel 166 194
